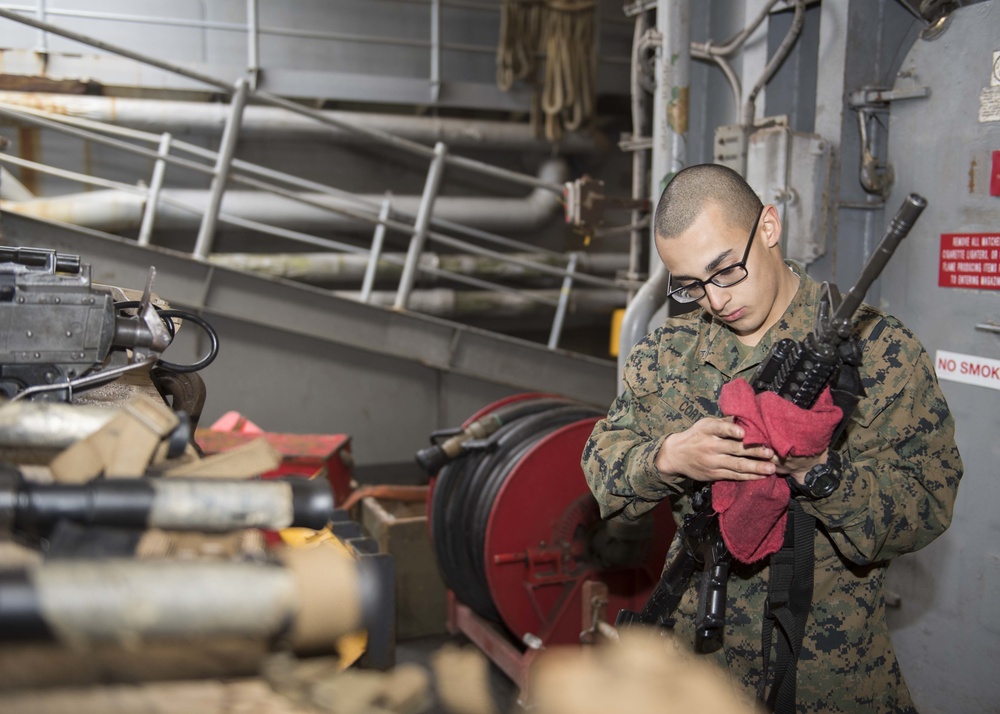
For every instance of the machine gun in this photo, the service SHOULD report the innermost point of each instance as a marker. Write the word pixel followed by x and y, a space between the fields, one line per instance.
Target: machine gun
pixel 61 333
pixel 798 372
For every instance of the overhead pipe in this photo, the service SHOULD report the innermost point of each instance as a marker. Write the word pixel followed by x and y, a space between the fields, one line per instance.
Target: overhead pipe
pixel 115 211
pixel 349 268
pixel 265 122
pixel 458 304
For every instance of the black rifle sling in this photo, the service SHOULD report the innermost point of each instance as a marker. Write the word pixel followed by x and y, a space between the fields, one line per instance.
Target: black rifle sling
pixel 789 592
pixel 789 600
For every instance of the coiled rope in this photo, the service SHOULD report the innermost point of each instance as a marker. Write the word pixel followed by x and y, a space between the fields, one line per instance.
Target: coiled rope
pixel 564 31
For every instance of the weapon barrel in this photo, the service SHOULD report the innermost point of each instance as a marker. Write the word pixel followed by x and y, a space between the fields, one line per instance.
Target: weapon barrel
pixel 169 503
pixel 312 596
pixel 898 228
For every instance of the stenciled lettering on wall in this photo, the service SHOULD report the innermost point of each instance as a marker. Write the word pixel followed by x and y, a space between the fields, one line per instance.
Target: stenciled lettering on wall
pixel 970 260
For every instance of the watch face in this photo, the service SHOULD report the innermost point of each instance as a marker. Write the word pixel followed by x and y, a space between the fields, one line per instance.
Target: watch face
pixel 822 480
pixel 823 484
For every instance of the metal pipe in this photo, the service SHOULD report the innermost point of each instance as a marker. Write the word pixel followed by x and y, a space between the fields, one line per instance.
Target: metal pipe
pixel 49 426
pixel 635 322
pixel 43 45
pixel 203 244
pixel 84 602
pixel 552 172
pixel 153 197
pixel 448 303
pixel 431 186
pixel 365 216
pixel 679 61
pixel 437 237
pixel 671 103
pixel 346 268
pixel 640 157
pixel 253 43
pixel 178 117
pixel 118 210
pixel 435 51
pixel 798 20
pixel 670 123
pixel 376 250
pixel 567 286
pixel 734 43
pixel 11 189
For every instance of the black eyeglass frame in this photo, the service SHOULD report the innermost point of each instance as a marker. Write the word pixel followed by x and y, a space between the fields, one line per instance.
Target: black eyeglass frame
pixel 712 278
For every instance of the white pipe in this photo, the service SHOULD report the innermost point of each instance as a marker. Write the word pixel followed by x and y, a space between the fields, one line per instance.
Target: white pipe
pixel 179 117
pixel 448 303
pixel 116 211
pixel 11 188
pixel 333 268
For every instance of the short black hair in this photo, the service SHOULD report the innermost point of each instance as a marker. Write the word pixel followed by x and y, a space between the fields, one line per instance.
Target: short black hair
pixel 692 188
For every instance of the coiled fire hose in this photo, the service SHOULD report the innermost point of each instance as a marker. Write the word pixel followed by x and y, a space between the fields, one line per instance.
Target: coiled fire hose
pixel 467 485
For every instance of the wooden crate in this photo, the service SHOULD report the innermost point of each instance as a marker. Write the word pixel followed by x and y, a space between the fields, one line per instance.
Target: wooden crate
pixel 400 529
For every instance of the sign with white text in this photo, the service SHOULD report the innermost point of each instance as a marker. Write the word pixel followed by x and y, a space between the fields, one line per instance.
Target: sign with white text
pixel 970 260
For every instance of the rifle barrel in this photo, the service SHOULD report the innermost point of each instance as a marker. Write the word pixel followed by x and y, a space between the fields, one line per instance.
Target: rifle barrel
pixel 897 230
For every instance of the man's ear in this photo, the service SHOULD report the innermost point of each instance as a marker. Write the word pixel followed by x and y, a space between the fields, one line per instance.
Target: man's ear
pixel 770 226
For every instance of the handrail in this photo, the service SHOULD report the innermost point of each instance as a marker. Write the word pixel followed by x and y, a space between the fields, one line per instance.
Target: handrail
pixel 270 230
pixel 274 100
pixel 367 212
pixel 222 171
pixel 298 235
pixel 262 171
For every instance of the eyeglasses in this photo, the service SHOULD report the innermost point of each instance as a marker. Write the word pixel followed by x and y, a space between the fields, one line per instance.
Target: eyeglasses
pixel 725 278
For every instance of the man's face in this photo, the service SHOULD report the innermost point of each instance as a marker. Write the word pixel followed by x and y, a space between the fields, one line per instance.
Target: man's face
pixel 712 244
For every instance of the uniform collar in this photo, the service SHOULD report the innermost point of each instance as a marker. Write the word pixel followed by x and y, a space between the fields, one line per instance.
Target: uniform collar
pixel 720 345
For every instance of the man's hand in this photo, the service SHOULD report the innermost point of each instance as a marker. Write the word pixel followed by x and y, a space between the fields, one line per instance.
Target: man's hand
pixel 712 450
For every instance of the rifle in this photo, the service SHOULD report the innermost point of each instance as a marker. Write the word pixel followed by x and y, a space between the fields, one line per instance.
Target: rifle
pixel 796 371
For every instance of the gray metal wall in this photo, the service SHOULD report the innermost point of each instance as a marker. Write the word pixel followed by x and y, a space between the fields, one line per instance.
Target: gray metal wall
pixel 946 629
pixel 378 51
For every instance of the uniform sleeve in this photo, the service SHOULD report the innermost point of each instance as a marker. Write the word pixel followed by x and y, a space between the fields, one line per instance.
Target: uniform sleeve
pixel 619 458
pixel 901 463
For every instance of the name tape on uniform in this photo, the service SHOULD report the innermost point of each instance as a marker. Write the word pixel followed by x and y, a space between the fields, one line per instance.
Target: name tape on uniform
pixel 968 369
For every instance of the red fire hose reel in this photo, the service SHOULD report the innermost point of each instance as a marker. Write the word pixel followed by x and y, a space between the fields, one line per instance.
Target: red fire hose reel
pixel 520 541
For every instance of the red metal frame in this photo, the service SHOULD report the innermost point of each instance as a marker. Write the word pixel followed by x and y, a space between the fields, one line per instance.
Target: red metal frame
pixel 496 645
pixel 328 455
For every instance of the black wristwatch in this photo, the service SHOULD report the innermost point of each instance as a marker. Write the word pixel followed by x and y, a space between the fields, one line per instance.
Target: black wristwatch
pixel 821 480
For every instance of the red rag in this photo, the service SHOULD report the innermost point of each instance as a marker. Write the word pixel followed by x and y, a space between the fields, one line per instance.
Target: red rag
pixel 752 514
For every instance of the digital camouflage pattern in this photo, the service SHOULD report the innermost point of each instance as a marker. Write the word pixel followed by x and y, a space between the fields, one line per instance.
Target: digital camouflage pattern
pixel 900 478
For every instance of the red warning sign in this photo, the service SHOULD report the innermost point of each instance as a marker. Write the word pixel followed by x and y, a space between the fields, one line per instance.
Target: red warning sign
pixel 970 260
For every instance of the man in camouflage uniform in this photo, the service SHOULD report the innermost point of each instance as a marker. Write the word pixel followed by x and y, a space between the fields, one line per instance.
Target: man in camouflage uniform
pixel 665 437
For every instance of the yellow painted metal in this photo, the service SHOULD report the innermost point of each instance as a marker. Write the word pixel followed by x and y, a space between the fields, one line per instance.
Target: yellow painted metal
pixel 349 647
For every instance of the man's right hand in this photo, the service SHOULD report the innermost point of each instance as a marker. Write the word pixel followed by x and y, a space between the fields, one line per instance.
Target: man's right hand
pixel 712 450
